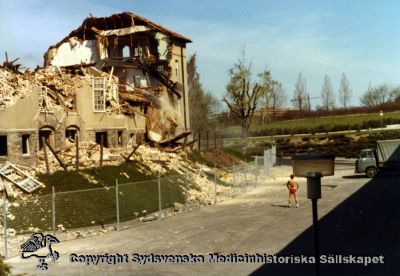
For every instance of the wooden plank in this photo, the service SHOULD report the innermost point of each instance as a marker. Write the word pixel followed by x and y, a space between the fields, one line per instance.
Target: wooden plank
pixel 46 158
pixel 55 155
pixel 8 189
pixel 101 148
pixel 176 138
pixel 133 151
pixel 77 151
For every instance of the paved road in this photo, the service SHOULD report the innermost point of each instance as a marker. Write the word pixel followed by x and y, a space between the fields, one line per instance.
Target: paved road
pixel 257 222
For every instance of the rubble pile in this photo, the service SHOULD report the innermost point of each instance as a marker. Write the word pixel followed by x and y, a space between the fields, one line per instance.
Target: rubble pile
pixel 89 156
pixel 205 195
pixel 155 162
pixel 14 86
pixel 59 85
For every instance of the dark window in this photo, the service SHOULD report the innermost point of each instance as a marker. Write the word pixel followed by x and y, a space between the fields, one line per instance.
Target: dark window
pixel 48 136
pixel 25 144
pixel 70 134
pixel 3 145
pixel 99 136
pixel 119 138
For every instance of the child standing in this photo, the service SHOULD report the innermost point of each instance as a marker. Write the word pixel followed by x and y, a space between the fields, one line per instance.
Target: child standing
pixel 292 186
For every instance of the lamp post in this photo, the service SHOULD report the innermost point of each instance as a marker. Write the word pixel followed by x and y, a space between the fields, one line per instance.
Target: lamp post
pixel 381 115
pixel 314 166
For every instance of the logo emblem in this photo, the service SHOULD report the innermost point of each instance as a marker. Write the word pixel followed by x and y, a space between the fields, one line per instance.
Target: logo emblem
pixel 39 246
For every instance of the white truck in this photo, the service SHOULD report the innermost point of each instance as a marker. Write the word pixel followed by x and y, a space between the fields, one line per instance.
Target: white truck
pixel 370 161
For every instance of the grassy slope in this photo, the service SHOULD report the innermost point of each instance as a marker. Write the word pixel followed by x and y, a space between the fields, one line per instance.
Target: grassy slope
pixel 337 120
pixel 88 197
pixel 80 202
pixel 235 131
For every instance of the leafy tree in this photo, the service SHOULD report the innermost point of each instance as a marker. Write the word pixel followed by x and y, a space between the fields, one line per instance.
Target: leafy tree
pixel 300 93
pixel 202 104
pixel 265 93
pixel 327 95
pixel 345 91
pixel 242 94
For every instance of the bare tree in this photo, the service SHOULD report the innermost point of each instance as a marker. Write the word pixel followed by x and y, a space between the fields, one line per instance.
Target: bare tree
pixel 300 93
pixel 377 95
pixel 327 96
pixel 395 94
pixel 202 103
pixel 242 94
pixel 344 91
pixel 277 95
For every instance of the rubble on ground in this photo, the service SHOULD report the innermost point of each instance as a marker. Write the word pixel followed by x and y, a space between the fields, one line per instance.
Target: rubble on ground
pixel 155 161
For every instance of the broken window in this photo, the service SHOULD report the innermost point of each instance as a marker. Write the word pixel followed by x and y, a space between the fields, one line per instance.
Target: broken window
pixel 138 51
pixel 177 71
pixel 99 95
pixel 71 132
pixel 126 52
pixel 119 138
pixel 160 68
pixel 3 145
pixel 48 135
pixel 140 82
pixel 132 140
pixel 102 136
pixel 25 144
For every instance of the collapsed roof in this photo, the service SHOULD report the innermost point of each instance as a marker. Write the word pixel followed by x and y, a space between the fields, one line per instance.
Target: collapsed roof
pixel 125 20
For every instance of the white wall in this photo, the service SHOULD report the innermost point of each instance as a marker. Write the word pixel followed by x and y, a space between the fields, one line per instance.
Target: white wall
pixel 82 52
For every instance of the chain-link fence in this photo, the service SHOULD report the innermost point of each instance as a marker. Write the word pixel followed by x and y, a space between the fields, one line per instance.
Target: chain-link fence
pixel 121 202
pixel 207 140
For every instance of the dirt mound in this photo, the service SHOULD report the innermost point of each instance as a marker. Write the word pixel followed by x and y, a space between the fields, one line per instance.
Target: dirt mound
pixel 222 159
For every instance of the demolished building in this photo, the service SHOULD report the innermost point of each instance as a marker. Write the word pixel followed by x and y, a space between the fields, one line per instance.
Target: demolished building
pixel 115 80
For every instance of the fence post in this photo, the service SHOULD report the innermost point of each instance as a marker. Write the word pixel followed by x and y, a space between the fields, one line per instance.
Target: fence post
pixel 215 183
pixel 117 201
pixel 186 188
pixel 265 162
pixel 53 209
pixel 207 139
pixel 245 176
pixel 199 141
pixel 234 181
pixel 5 224
pixel 159 196
pixel 255 172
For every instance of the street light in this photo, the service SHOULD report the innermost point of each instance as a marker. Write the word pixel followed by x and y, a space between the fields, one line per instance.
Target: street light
pixel 381 115
pixel 314 166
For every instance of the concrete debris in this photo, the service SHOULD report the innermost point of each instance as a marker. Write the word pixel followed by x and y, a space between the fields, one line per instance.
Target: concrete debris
pixel 148 218
pixel 178 206
pixel 14 86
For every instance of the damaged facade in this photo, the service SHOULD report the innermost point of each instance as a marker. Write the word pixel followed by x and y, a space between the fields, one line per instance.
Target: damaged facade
pixel 118 79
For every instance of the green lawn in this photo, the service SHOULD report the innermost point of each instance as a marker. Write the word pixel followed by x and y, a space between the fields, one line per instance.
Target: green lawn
pixel 337 120
pixel 235 131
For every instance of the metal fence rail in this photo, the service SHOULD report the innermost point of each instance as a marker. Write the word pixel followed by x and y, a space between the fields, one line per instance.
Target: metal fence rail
pixel 119 202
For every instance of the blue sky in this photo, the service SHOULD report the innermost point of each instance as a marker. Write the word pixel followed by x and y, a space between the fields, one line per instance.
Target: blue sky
pixel 317 38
